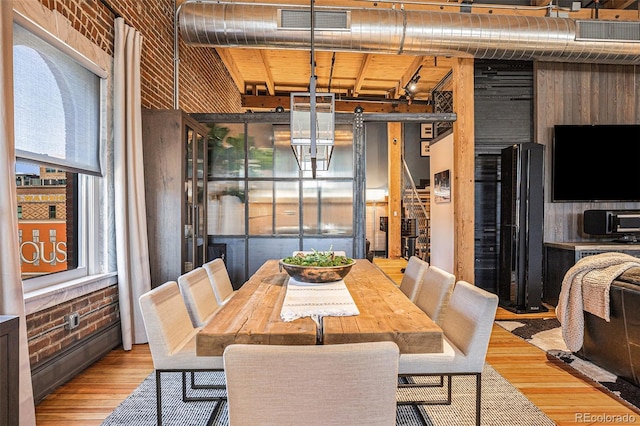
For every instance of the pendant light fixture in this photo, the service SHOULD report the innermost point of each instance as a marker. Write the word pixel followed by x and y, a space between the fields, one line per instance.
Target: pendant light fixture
pixel 312 121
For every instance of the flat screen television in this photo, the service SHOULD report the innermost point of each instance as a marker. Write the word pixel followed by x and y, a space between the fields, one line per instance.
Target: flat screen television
pixel 593 163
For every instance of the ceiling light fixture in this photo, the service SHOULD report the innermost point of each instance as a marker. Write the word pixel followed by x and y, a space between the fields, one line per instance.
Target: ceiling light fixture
pixel 312 122
pixel 412 85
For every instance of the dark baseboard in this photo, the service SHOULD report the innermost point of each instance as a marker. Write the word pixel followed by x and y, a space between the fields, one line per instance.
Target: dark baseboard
pixel 62 367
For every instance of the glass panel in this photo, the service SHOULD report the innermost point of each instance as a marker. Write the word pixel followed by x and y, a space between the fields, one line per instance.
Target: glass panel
pixel 260 143
pixel 47 223
pixel 225 207
pixel 274 208
pixel 328 207
pixel 188 200
pixel 285 164
pixel 261 201
pixel 287 208
pixel 341 164
pixel 199 200
pixel 226 154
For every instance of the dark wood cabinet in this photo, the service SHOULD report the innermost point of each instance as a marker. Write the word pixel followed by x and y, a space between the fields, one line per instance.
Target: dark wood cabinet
pixel 9 370
pixel 175 176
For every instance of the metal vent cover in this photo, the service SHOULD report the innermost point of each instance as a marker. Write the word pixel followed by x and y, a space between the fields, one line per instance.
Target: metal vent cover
pixel 608 30
pixel 301 20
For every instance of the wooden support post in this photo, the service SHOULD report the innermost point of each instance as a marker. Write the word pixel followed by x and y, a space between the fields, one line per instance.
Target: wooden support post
pixel 394 135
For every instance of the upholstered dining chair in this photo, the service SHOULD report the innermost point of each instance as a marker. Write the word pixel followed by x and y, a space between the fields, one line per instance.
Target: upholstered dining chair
pixel 434 292
pixel 342 384
pixel 198 295
pixel 466 325
pixel 172 341
pixel 219 278
pixel 412 277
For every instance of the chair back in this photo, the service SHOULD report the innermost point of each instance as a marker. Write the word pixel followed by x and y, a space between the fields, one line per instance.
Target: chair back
pixel 198 295
pixel 412 277
pixel 468 321
pixel 342 384
pixel 166 321
pixel 434 292
pixel 219 278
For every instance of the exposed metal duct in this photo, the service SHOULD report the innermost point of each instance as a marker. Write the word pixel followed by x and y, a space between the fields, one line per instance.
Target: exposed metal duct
pixel 412 32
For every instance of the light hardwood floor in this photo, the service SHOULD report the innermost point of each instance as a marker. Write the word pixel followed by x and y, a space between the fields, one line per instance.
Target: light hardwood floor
pixel 564 396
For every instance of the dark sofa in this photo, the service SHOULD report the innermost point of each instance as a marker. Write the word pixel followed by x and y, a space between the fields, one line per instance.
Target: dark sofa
pixel 615 345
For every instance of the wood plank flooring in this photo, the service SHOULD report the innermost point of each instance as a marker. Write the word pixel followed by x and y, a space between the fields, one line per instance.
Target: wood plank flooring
pixel 564 396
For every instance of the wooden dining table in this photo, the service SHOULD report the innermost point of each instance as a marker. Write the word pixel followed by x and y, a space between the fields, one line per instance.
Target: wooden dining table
pixel 252 316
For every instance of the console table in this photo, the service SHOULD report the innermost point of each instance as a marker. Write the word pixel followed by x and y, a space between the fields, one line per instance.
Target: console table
pixel 9 367
pixel 560 256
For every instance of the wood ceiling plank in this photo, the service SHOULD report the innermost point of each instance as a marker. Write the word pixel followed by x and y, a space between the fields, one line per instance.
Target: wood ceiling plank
pixel 232 68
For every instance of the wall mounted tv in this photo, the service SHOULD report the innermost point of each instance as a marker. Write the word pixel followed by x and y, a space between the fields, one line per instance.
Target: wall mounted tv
pixel 595 163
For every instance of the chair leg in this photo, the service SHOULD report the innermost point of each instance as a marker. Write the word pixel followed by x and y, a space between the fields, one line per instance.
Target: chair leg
pixel 194 385
pixel 187 398
pixel 405 383
pixel 478 397
pixel 158 399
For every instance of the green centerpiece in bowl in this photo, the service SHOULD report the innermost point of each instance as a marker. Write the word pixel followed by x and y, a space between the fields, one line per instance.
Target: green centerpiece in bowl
pixel 317 266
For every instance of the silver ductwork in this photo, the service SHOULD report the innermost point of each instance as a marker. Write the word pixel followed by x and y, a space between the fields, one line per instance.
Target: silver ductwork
pixel 412 32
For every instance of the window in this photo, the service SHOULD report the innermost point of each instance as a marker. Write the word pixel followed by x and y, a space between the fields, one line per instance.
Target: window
pixel 58 169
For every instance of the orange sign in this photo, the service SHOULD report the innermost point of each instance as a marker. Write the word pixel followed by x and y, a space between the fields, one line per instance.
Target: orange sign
pixel 43 247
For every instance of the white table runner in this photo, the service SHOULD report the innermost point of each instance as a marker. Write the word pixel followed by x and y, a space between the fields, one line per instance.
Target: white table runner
pixel 317 301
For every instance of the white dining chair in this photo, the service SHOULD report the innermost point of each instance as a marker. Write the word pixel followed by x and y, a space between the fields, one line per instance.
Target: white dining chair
pixel 219 279
pixel 434 292
pixel 412 277
pixel 172 341
pixel 198 295
pixel 345 384
pixel 466 325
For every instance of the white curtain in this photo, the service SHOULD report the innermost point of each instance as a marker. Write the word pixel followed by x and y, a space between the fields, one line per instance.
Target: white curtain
pixel 131 224
pixel 11 294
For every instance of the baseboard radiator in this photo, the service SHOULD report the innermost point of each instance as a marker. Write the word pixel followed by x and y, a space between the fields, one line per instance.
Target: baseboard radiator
pixel 64 366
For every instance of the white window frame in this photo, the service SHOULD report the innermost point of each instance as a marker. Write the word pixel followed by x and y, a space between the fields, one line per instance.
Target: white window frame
pixel 96 264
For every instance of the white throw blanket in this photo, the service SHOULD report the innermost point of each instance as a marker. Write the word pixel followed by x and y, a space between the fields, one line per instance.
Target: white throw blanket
pixel 586 287
pixel 317 301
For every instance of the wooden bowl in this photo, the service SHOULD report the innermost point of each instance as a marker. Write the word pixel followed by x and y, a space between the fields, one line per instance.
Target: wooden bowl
pixel 316 274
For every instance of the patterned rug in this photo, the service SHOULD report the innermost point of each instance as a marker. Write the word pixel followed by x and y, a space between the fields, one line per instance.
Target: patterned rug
pixel 502 405
pixel 546 334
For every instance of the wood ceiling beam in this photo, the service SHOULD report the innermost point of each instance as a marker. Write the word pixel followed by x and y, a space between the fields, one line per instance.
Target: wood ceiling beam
pixel 271 89
pixel 230 64
pixel 361 74
pixel 270 103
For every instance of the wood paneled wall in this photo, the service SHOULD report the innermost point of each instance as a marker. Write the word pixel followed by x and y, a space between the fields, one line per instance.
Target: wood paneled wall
pixel 580 94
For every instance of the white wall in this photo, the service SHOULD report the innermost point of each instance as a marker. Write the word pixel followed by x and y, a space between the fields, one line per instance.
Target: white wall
pixel 442 213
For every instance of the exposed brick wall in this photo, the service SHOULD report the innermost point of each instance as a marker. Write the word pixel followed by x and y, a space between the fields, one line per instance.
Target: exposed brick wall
pixel 205 86
pixel 46 330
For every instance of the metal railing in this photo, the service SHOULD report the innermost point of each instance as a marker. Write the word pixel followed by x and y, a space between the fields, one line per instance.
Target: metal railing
pixel 414 208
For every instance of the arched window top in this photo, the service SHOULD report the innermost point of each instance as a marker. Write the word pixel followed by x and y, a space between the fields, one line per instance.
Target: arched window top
pixel 57 115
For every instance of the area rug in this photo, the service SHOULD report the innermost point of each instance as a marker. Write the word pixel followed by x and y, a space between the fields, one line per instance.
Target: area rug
pixel 502 405
pixel 546 334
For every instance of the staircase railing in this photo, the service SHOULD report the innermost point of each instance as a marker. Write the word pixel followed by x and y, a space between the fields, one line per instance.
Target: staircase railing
pixel 415 208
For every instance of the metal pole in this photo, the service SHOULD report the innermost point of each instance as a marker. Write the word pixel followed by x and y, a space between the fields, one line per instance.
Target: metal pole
pixel 312 103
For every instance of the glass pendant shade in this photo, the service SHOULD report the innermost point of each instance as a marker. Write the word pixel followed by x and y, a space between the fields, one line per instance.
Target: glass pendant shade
pixel 316 147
